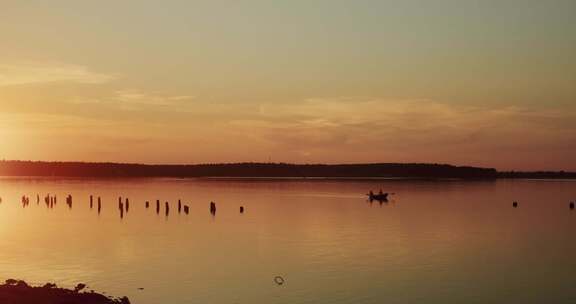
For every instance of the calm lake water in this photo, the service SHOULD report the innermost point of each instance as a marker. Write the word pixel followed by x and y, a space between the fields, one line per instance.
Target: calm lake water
pixel 434 242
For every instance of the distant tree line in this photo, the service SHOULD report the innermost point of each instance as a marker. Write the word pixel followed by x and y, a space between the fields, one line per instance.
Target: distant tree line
pixel 380 170
pixel 538 174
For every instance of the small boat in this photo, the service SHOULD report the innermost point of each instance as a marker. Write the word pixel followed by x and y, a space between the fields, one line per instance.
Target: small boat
pixel 380 196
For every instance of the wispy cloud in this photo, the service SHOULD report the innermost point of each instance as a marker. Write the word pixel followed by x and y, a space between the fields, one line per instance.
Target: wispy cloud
pixel 133 99
pixel 416 128
pixel 28 73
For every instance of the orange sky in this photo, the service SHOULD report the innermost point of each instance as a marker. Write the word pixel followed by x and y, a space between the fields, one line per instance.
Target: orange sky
pixel 461 82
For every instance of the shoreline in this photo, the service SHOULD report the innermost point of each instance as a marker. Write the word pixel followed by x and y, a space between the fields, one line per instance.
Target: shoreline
pixel 20 292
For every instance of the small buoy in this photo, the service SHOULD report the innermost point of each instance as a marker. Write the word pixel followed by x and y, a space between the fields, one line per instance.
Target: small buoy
pixel 515 204
pixel 279 280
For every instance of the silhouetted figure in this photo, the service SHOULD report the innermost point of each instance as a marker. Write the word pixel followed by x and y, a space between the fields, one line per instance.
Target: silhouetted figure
pixel 119 201
pixel 167 206
pixel 91 201
pixel 179 206
pixel 241 209
pixel 121 206
pixel 186 209
pixel 572 205
pixel 515 204
pixel 157 206
pixel 99 205
pixel 213 208
pixel 147 204
pixel 37 199
pixel 121 213
pixel 69 201
pixel 127 205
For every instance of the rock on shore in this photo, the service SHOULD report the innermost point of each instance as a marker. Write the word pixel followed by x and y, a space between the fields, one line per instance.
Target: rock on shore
pixel 19 292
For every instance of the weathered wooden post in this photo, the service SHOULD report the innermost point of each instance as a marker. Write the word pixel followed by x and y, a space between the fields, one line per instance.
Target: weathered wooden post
pixel 213 208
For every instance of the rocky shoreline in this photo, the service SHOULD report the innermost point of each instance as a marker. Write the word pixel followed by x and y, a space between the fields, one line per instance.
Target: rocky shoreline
pixel 20 292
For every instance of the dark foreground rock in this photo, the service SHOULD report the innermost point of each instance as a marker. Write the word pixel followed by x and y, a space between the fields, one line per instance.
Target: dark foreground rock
pixel 19 292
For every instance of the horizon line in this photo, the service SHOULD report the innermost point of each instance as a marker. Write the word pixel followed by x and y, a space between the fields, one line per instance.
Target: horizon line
pixel 285 163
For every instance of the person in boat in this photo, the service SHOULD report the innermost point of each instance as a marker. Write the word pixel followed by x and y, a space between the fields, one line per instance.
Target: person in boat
pixel 380 193
pixel 371 194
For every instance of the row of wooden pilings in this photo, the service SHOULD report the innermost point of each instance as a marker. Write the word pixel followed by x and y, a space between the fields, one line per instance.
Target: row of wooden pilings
pixel 123 205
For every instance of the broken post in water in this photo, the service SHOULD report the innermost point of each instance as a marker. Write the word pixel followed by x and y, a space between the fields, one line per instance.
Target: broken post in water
pixel 213 208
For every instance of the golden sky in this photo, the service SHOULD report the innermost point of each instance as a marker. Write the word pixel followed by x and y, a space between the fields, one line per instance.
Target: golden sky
pixel 487 83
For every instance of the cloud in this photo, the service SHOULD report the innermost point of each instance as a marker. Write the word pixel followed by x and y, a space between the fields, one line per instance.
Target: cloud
pixel 133 99
pixel 137 97
pixel 41 73
pixel 348 126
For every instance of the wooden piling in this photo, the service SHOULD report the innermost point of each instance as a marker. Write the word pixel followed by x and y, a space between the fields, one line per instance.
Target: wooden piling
pixel 212 208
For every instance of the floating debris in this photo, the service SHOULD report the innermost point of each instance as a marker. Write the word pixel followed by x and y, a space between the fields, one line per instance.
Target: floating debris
pixel 279 280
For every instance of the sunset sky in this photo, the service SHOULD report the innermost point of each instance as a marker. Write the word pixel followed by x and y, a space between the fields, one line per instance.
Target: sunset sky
pixel 486 83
